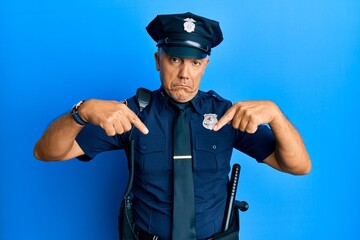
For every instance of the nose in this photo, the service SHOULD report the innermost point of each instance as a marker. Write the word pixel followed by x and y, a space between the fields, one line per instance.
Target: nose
pixel 184 72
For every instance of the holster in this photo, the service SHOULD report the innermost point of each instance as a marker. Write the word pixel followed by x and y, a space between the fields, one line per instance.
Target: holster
pixel 126 220
pixel 232 233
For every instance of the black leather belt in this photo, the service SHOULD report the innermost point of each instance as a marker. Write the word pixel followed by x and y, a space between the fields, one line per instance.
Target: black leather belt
pixel 145 235
pixel 142 235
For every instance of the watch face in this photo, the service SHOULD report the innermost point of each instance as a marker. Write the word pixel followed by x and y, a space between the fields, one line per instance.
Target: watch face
pixel 78 104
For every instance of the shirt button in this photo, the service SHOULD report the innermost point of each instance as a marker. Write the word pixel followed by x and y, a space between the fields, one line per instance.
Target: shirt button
pixel 214 147
pixel 143 147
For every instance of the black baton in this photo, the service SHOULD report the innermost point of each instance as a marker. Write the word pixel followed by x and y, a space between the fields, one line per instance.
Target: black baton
pixel 231 195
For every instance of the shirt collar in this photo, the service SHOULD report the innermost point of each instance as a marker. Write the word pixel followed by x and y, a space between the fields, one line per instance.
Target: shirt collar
pixel 165 100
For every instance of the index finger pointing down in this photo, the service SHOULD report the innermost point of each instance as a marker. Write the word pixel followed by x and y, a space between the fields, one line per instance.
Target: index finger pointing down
pixel 139 124
pixel 226 118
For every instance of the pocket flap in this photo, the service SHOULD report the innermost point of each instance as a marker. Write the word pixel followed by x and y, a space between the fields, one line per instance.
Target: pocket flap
pixel 150 143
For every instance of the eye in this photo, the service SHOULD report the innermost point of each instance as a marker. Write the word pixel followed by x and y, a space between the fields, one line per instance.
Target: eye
pixel 196 63
pixel 174 59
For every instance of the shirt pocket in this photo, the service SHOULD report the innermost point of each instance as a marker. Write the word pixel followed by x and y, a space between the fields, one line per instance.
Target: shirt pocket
pixel 213 152
pixel 150 154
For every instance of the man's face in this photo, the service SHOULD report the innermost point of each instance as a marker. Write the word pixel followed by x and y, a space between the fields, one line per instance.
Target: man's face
pixel 180 77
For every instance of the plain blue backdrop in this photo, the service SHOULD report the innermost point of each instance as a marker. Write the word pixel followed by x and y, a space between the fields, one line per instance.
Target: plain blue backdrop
pixel 303 55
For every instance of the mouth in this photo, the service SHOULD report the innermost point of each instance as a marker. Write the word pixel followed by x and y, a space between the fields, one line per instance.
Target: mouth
pixel 177 86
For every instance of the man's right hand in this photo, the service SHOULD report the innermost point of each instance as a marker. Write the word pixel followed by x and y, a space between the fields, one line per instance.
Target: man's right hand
pixel 114 117
pixel 58 141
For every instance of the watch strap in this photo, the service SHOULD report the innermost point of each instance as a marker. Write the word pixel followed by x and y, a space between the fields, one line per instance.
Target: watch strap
pixel 75 113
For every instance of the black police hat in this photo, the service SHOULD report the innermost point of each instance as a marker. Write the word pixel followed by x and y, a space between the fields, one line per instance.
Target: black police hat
pixel 185 35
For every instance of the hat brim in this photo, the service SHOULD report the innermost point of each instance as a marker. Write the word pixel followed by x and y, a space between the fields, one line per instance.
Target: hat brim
pixel 184 52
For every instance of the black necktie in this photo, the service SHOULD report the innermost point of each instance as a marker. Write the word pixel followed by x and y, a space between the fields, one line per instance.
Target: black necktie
pixel 184 203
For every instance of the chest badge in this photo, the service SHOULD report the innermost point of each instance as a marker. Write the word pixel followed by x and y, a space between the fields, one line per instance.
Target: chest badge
pixel 210 119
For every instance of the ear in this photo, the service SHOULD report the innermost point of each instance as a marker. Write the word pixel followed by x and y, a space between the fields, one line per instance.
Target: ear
pixel 157 60
pixel 206 64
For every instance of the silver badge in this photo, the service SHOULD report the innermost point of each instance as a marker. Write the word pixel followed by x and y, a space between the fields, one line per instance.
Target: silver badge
pixel 189 25
pixel 210 120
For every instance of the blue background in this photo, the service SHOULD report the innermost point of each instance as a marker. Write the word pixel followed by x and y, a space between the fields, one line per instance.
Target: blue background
pixel 303 55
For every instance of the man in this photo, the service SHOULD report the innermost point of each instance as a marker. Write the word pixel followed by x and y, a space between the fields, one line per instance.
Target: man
pixel 217 126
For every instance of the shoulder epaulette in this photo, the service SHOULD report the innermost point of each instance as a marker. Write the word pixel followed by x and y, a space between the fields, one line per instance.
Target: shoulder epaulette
pixel 212 93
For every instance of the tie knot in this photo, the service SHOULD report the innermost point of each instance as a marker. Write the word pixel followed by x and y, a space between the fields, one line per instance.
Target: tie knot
pixel 181 106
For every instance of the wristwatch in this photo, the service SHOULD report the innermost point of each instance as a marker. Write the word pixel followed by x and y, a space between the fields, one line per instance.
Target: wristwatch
pixel 75 114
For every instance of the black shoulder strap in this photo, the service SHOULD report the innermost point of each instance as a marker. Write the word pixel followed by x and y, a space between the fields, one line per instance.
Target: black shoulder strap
pixel 143 97
pixel 126 221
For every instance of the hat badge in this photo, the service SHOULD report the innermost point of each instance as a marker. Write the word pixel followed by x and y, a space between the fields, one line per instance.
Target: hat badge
pixel 189 25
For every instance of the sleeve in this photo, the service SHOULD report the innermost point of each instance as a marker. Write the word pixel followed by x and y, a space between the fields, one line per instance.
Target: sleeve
pixel 93 140
pixel 258 145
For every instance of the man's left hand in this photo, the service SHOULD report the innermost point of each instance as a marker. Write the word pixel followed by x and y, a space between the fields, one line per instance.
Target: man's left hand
pixel 248 115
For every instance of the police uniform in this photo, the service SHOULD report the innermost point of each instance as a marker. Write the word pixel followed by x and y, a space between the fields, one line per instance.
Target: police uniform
pixel 211 150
